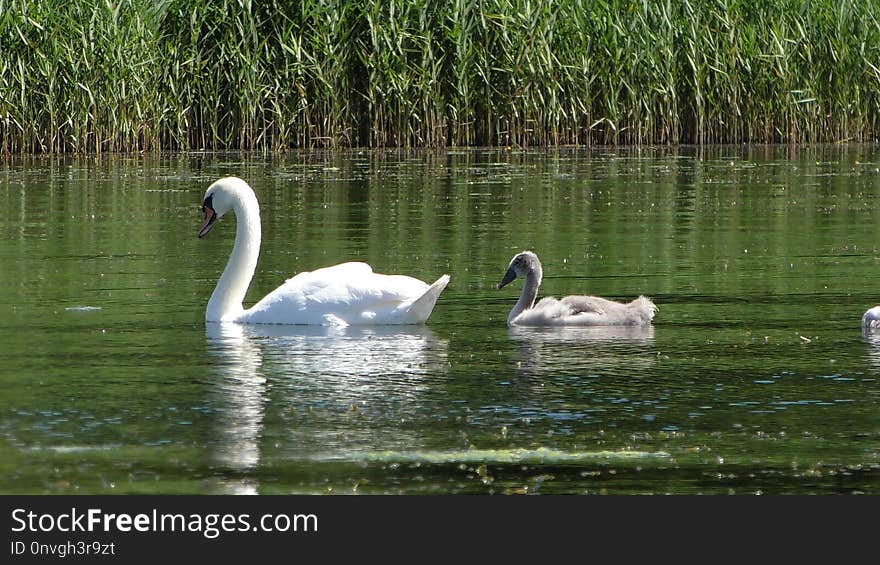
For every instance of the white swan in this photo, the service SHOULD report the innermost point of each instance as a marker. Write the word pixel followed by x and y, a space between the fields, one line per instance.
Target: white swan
pixel 569 310
pixel 871 320
pixel 341 295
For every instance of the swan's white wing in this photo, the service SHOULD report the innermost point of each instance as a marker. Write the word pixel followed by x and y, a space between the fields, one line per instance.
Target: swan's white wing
pixel 344 294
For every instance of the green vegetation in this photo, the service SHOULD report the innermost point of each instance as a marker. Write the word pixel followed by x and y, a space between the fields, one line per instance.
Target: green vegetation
pixel 132 75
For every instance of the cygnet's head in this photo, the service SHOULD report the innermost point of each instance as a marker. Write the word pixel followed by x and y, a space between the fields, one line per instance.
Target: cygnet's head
pixel 522 264
pixel 220 198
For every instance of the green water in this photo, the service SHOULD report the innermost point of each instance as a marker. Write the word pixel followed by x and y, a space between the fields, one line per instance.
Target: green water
pixel 754 378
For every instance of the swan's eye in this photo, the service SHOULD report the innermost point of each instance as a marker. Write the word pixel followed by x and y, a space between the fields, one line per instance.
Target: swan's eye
pixel 208 203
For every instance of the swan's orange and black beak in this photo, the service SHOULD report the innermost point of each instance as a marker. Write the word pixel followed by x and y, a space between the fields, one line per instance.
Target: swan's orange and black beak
pixel 210 217
pixel 508 276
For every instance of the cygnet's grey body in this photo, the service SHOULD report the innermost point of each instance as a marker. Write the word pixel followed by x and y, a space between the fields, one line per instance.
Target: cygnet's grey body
pixel 570 310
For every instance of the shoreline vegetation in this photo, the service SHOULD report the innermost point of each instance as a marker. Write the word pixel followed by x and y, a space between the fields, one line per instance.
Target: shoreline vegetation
pixel 92 76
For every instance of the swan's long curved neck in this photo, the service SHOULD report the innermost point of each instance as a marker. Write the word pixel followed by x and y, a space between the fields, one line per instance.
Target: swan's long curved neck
pixel 527 298
pixel 227 300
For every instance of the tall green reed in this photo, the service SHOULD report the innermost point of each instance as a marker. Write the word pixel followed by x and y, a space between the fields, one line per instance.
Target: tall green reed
pixel 136 75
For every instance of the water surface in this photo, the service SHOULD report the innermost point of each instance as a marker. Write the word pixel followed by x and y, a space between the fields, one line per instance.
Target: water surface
pixel 754 378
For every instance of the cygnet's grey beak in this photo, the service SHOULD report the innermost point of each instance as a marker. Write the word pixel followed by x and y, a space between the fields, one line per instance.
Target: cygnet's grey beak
pixel 508 276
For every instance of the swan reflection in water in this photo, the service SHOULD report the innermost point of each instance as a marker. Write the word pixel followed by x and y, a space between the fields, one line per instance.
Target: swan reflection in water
pixel 304 366
pixel 872 338
pixel 619 349
pixel 239 397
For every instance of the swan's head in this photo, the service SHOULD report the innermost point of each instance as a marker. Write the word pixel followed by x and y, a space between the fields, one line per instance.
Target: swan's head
pixel 220 198
pixel 522 265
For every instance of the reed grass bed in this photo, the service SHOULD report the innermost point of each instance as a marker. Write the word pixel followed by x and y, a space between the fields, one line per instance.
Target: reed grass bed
pixel 98 75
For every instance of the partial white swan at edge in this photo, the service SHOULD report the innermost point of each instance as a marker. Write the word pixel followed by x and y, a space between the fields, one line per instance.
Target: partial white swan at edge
pixel 871 320
pixel 569 310
pixel 341 295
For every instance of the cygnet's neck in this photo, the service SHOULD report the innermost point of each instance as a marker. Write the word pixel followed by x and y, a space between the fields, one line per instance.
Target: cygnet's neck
pixel 527 298
pixel 226 303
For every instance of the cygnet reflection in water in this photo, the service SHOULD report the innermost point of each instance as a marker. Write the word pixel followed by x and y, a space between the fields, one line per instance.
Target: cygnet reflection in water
pixel 619 349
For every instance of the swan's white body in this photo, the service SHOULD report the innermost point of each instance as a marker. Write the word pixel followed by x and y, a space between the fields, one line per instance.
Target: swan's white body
pixel 341 295
pixel 871 320
pixel 569 310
